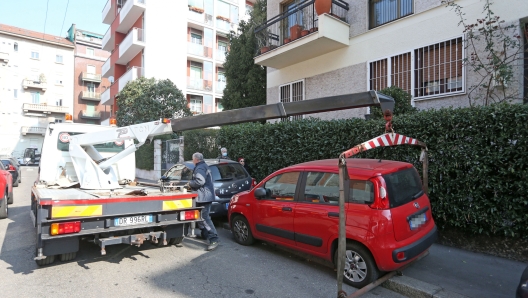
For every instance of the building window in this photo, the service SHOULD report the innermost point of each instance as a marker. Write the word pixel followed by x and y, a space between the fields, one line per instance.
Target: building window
pixel 196 38
pixel 196 104
pixel 34 55
pixel 219 106
pixel 293 19
pixel 292 92
pixel 428 71
pixel 58 102
pixel 35 97
pixel 15 47
pixel 249 9
pixel 58 79
pixel 90 52
pixel 58 59
pixel 15 93
pixel 385 11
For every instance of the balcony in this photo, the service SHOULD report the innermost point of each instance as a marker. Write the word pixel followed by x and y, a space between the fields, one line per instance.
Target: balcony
pixel 4 57
pixel 313 37
pixel 33 130
pixel 91 96
pixel 199 16
pixel 85 114
pixel 132 74
pixel 130 12
pixel 109 12
pixel 220 55
pixel 133 43
pixel 91 77
pixel 220 86
pixel 105 97
pixel 108 40
pixel 107 68
pixel 199 84
pixel 43 108
pixel 34 84
pixel 199 50
pixel 224 24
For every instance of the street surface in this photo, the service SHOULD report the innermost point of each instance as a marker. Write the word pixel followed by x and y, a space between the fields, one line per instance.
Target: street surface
pixel 232 270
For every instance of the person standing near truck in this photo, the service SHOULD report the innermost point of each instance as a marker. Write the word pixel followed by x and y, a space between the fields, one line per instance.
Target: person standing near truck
pixel 202 182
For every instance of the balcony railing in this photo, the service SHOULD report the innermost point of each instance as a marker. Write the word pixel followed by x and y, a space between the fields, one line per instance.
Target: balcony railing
pixel 290 25
pixel 199 84
pixel 108 40
pixel 91 77
pixel 220 86
pixel 131 45
pixel 46 109
pixel 132 74
pixel 108 12
pixel 91 95
pixel 224 25
pixel 198 15
pixel 34 84
pixel 90 114
pixel 220 55
pixel 131 10
pixel 4 56
pixel 199 50
pixel 32 130
pixel 105 97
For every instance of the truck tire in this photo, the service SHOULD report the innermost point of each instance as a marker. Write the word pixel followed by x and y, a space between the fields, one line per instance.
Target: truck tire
pixel 11 198
pixel 3 206
pixel 48 260
pixel 68 257
pixel 176 241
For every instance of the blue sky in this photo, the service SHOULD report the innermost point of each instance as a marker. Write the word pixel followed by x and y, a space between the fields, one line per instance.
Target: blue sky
pixel 31 14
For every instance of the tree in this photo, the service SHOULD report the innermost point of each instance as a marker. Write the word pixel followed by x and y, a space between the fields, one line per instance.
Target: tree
pixel 145 100
pixel 402 103
pixel 495 49
pixel 245 80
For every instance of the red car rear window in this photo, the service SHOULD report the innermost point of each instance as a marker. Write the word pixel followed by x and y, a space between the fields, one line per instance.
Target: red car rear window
pixel 403 186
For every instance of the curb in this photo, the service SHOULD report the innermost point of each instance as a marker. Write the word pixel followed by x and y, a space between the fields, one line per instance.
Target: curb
pixel 414 288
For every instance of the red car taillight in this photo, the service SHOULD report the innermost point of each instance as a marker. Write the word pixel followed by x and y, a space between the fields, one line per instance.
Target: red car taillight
pixel 11 168
pixel 253 182
pixel 65 228
pixel 381 197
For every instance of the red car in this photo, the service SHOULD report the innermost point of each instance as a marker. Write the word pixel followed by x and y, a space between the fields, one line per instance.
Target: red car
pixel 388 215
pixel 6 190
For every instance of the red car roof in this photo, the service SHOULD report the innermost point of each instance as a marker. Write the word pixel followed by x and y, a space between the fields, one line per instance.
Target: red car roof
pixel 356 166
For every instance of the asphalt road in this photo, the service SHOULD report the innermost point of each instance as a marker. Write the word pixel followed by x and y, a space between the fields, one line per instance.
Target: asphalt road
pixel 232 270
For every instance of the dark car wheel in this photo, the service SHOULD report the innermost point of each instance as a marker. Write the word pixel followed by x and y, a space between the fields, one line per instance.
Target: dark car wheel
pixel 242 231
pixel 48 260
pixel 3 207
pixel 15 184
pixel 10 199
pixel 360 268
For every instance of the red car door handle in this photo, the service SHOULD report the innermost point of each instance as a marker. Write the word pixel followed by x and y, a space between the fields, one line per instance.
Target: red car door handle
pixel 286 209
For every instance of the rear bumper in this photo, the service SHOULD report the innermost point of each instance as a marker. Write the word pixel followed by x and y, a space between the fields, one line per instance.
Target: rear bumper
pixel 413 250
pixel 219 207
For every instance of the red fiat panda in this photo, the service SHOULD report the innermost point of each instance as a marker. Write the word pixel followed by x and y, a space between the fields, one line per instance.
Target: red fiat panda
pixel 388 215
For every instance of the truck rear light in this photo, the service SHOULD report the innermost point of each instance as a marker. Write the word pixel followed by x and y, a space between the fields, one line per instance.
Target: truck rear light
pixel 400 256
pixel 190 215
pixel 381 198
pixel 65 228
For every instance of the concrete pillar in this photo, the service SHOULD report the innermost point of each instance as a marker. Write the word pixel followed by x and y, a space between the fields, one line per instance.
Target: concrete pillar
pixel 180 158
pixel 157 158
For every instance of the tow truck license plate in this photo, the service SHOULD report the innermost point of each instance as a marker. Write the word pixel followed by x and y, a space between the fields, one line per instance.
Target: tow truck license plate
pixel 132 220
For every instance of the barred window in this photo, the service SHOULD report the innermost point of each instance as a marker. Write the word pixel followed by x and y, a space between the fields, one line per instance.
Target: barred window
pixel 433 70
pixel 292 92
pixel 385 11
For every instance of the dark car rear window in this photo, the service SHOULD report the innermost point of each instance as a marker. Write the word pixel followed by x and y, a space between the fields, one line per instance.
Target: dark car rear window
pixel 403 186
pixel 6 162
pixel 228 171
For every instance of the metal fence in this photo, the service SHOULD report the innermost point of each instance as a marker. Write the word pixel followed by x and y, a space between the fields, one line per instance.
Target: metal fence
pixel 171 153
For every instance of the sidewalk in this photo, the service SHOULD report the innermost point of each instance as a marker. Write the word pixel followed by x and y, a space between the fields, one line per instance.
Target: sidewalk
pixel 470 274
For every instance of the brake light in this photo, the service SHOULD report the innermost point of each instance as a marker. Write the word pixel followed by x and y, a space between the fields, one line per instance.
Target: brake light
pixel 253 182
pixel 65 228
pixel 190 215
pixel 400 256
pixel 11 168
pixel 381 198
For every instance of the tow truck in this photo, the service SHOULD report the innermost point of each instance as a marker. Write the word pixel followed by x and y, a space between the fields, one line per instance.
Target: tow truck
pixel 86 185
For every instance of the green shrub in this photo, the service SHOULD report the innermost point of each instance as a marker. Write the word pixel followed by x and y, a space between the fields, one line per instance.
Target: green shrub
pixel 478 162
pixel 201 140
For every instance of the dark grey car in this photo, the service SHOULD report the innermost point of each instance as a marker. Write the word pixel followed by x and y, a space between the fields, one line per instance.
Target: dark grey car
pixel 229 178
pixel 17 177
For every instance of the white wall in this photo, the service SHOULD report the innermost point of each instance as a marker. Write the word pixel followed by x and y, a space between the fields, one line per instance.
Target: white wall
pixel 19 67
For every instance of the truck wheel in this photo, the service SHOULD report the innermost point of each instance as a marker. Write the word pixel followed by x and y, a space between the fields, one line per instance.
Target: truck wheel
pixel 176 241
pixel 68 256
pixel 10 199
pixel 48 260
pixel 3 207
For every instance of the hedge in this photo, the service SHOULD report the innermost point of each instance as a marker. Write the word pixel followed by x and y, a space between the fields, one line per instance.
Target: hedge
pixel 478 158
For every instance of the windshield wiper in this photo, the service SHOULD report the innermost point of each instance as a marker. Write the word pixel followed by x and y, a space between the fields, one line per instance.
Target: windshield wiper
pixel 419 194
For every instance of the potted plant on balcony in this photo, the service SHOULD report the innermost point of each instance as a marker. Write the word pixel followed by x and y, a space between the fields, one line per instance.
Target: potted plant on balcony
pixel 323 6
pixel 223 18
pixel 262 41
pixel 305 22
pixel 295 30
pixel 196 9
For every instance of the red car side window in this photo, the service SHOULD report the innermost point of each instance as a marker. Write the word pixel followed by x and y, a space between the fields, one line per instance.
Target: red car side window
pixel 282 187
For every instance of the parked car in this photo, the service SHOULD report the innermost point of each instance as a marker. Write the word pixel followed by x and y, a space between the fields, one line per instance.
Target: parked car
pixel 6 190
pixel 31 156
pixel 14 168
pixel 388 215
pixel 522 288
pixel 229 178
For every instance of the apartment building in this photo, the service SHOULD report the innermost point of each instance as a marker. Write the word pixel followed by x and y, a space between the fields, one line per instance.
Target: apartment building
pixel 36 86
pixel 184 41
pixel 416 45
pixel 88 81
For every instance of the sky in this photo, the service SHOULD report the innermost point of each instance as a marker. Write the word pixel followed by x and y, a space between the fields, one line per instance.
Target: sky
pixel 31 14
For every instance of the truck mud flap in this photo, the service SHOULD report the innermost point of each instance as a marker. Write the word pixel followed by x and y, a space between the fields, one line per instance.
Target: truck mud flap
pixel 58 246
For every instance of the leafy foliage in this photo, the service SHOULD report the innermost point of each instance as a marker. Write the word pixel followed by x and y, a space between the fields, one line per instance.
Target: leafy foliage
pixel 145 100
pixel 145 153
pixel 201 140
pixel 245 80
pixel 478 162
pixel 402 103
